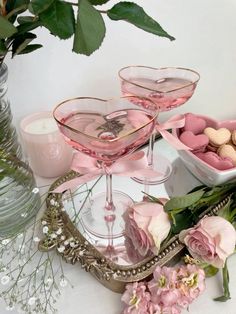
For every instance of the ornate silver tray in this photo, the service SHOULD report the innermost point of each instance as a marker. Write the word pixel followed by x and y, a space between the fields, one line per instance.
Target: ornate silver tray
pixel 74 245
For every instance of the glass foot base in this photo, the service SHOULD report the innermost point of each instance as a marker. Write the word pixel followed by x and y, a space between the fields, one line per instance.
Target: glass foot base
pixel 160 164
pixel 102 223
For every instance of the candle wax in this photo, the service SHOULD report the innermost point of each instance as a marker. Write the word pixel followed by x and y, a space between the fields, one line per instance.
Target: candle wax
pixel 42 126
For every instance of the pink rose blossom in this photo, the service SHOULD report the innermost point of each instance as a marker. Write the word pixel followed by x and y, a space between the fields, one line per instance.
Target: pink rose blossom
pixel 132 253
pixel 146 225
pixel 212 240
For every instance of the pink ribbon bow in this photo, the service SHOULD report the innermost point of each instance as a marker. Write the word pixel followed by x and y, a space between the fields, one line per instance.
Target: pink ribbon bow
pixel 175 122
pixel 131 165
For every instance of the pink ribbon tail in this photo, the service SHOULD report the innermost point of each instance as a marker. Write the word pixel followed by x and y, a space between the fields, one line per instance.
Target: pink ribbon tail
pixel 177 121
pixel 135 164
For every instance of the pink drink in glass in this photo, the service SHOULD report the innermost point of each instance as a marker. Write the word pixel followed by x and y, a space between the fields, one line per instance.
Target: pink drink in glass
pixel 108 137
pixel 166 93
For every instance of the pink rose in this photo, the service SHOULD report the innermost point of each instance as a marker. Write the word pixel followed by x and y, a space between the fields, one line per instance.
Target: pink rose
pixel 212 240
pixel 146 225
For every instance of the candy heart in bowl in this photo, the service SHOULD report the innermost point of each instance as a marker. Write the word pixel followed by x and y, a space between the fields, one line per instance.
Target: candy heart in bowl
pixel 212 158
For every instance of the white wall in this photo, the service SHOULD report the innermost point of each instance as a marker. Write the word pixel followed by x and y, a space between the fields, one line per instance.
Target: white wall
pixel 205 41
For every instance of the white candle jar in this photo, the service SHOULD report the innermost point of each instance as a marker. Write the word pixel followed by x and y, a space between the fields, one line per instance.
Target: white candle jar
pixel 48 153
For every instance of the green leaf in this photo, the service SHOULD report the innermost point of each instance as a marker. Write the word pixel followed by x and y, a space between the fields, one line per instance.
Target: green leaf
pixel 20 43
pixel 181 202
pixel 210 271
pixel 39 6
pixel 181 221
pixel 134 14
pixel 59 19
pixel 27 27
pixel 11 5
pixel 222 298
pixel 152 198
pixel 16 7
pixel 3 47
pixel 90 29
pixel 98 2
pixel 30 48
pixel 6 28
pixel 225 211
pixel 25 19
pixel 226 296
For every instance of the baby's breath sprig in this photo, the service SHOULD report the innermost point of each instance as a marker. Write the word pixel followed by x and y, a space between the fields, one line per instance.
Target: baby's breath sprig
pixel 30 280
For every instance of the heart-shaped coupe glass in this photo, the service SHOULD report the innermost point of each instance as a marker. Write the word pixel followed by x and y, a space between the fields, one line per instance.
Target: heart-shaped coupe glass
pixel 105 130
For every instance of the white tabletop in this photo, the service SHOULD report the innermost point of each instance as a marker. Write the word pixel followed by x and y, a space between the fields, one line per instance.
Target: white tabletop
pixel 89 296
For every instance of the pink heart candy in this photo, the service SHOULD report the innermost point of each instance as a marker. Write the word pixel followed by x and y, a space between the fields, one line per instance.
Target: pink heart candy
pixel 214 160
pixel 194 124
pixel 197 143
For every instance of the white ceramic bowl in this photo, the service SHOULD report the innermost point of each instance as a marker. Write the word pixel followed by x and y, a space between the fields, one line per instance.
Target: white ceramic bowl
pixel 200 169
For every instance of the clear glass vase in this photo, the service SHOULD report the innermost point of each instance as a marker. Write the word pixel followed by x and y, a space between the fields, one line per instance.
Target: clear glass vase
pixel 19 196
pixel 8 135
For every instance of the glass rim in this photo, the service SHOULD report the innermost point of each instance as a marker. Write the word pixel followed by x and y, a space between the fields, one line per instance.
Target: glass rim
pixel 153 113
pixel 161 68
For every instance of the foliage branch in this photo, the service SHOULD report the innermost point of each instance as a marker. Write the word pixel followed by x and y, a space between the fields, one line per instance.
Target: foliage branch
pixel 64 19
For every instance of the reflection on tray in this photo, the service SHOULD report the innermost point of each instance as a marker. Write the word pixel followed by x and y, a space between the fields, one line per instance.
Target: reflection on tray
pixel 73 202
pixel 180 182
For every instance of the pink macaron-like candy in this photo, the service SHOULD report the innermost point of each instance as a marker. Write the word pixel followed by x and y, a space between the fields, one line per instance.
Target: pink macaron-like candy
pixel 214 160
pixel 194 123
pixel 197 143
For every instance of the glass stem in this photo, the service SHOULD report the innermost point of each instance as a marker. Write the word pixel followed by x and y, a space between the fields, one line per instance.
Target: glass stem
pixel 150 161
pixel 150 149
pixel 109 200
pixel 109 212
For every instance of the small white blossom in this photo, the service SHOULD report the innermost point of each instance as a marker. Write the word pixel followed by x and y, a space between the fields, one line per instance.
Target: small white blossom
pixel 72 244
pixel 49 280
pixel 45 229
pixel 63 209
pixel 5 241
pixel 63 282
pixel 53 236
pixel 59 231
pixel 66 242
pixel 44 222
pixel 5 280
pixel 52 202
pixel 35 190
pixel 10 308
pixel 31 301
pixel 61 248
pixel 36 239
pixel 63 238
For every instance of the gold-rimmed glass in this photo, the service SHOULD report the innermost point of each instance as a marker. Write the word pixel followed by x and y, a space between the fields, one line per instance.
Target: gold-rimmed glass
pixel 161 89
pixel 105 130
